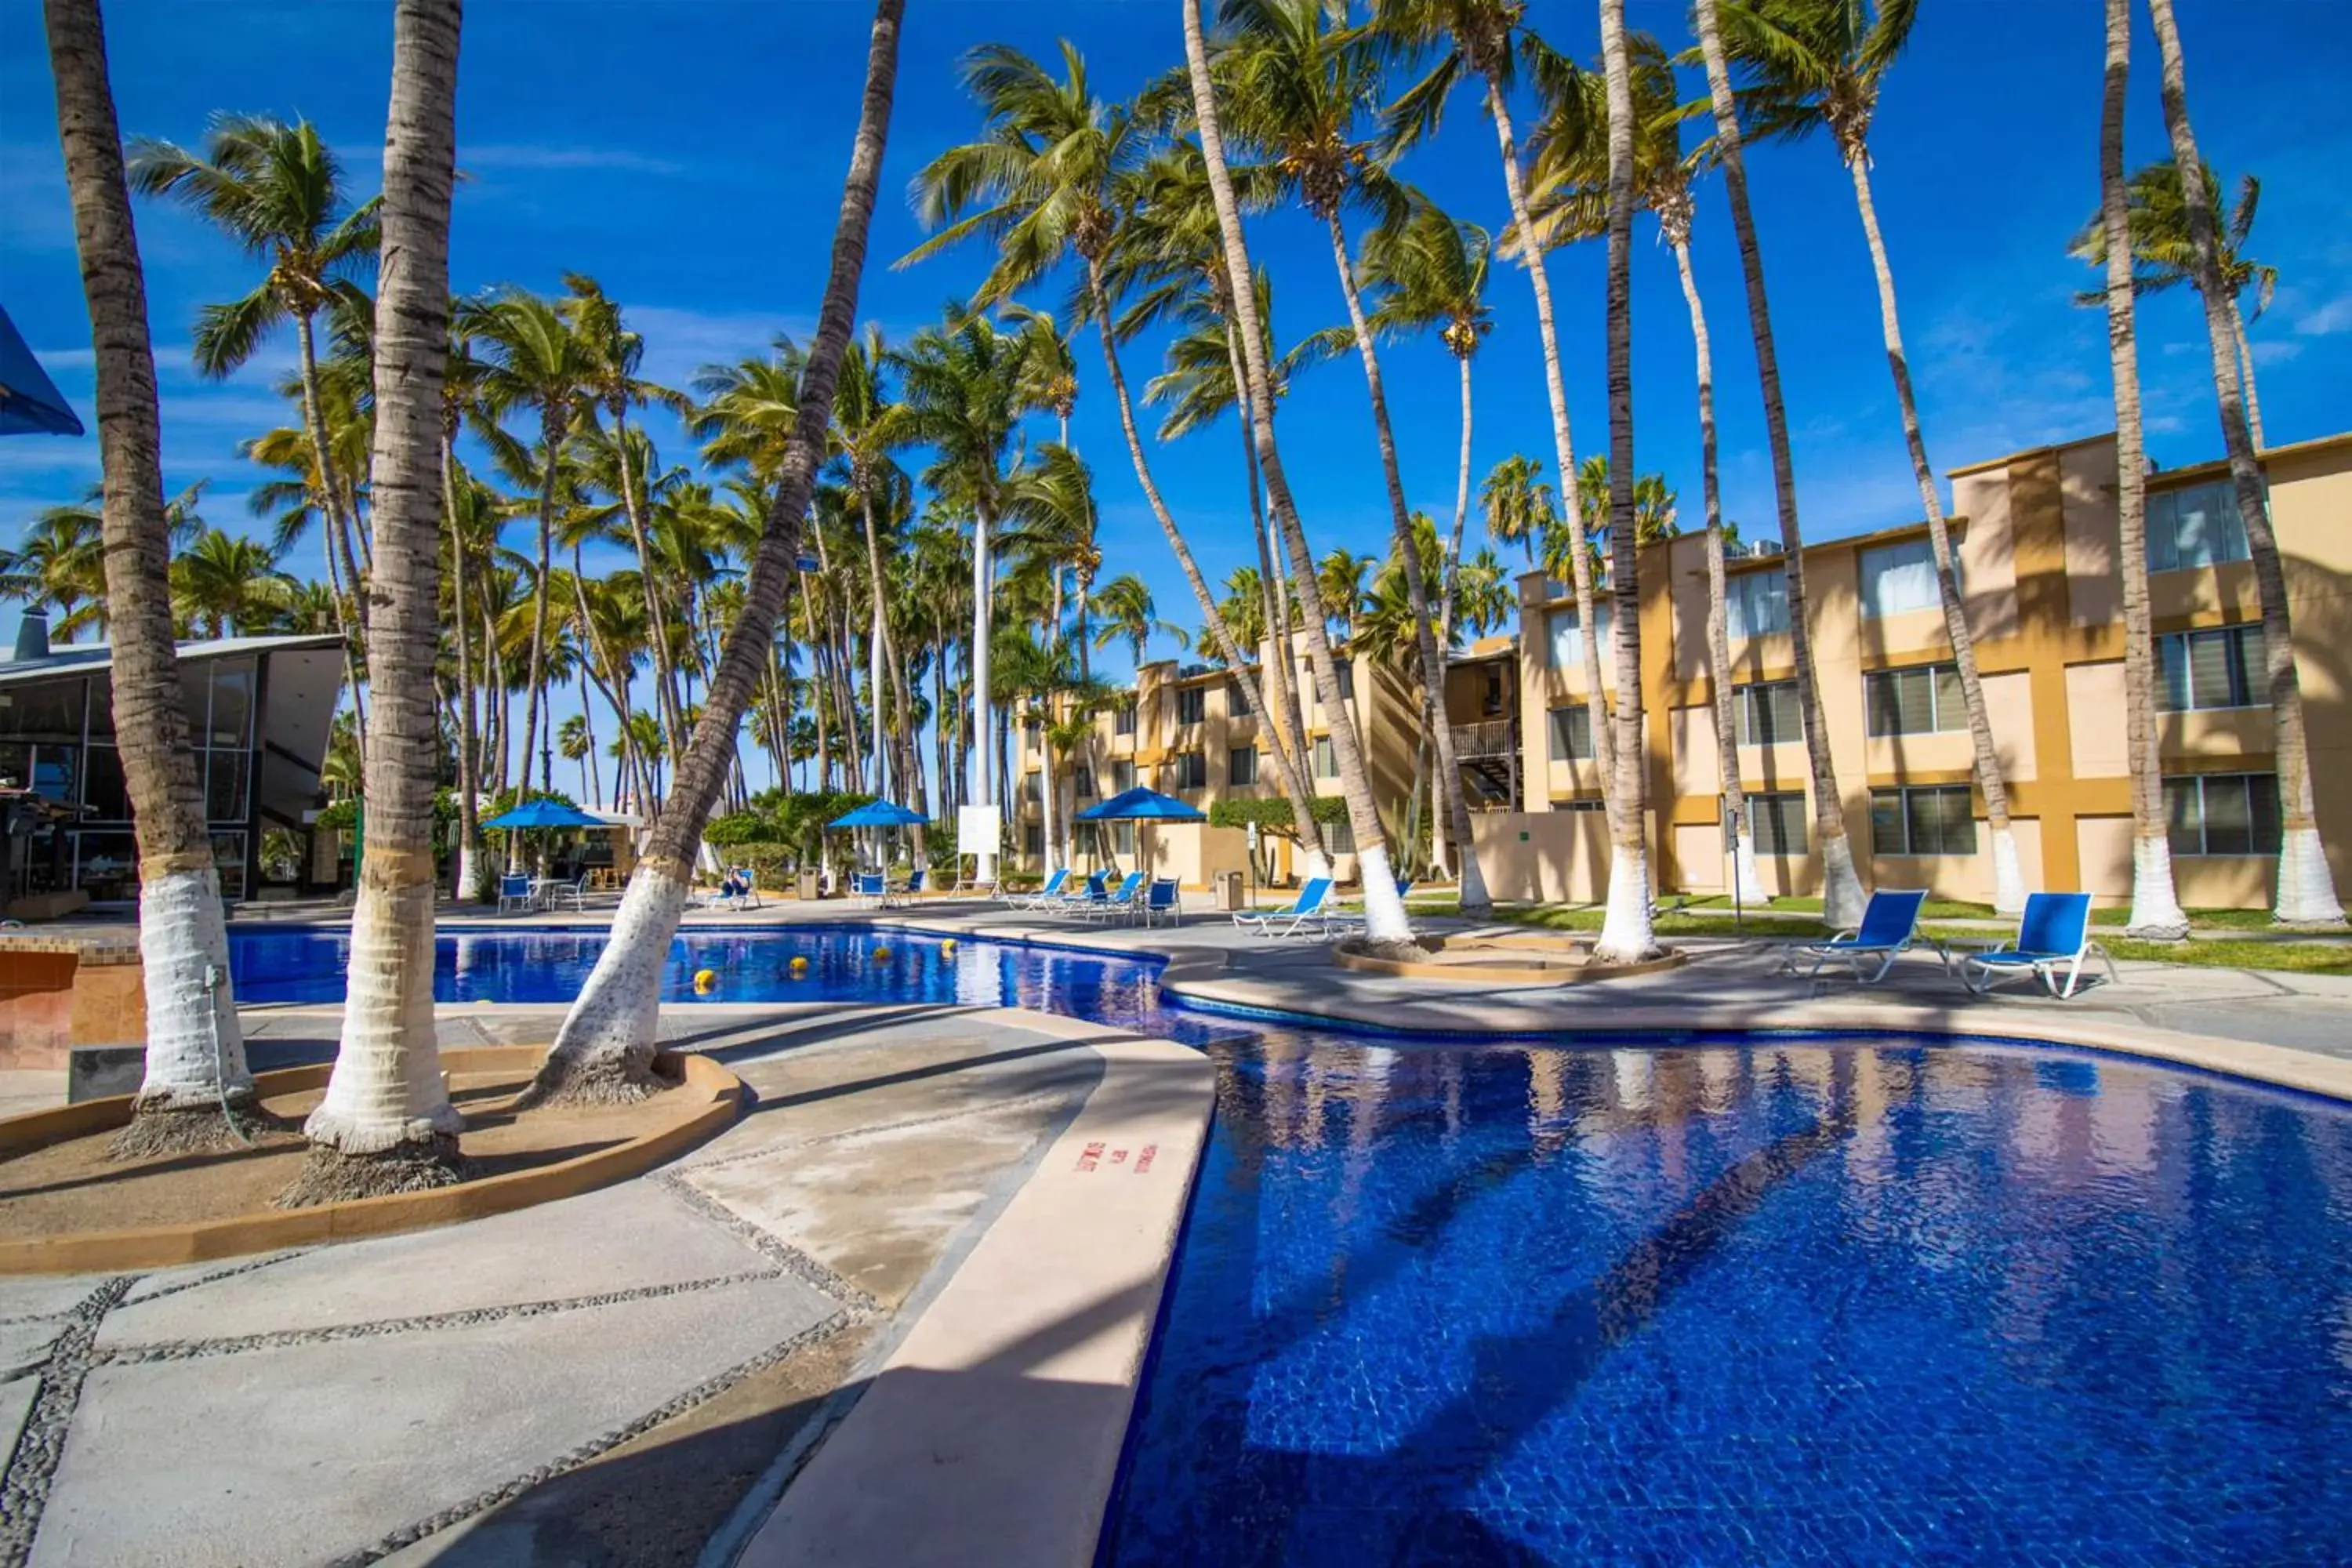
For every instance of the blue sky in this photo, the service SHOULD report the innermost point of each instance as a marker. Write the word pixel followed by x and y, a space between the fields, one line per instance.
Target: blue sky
pixel 690 155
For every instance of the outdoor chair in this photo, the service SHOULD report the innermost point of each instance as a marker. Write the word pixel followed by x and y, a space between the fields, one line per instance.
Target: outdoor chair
pixel 1051 893
pixel 1160 901
pixel 575 891
pixel 1302 913
pixel 748 885
pixel 1890 923
pixel 912 889
pixel 1121 902
pixel 736 890
pixel 2053 933
pixel 1094 893
pixel 515 894
pixel 871 889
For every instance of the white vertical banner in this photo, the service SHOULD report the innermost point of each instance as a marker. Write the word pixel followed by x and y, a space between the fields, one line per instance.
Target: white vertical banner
pixel 978 831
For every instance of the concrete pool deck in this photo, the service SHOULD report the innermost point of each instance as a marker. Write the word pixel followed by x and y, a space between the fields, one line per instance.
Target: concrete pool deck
pixel 897 1312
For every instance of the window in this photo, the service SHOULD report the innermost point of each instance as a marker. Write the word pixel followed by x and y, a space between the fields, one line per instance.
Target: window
pixel 1756 603
pixel 1572 734
pixel 1032 726
pixel 1566 635
pixel 1122 839
pixel 1032 788
pixel 1777 821
pixel 2219 669
pixel 1191 770
pixel 1582 802
pixel 1899 578
pixel 1032 841
pixel 1340 838
pixel 1345 670
pixel 1492 703
pixel 1920 701
pixel 2199 526
pixel 1191 704
pixel 1933 821
pixel 1241 765
pixel 1122 720
pixel 1082 781
pixel 1327 761
pixel 2224 814
pixel 1768 712
pixel 1122 777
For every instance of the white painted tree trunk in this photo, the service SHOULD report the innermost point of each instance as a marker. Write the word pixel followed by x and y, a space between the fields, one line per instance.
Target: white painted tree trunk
pixel 1317 863
pixel 1384 916
pixel 2306 889
pixel 470 869
pixel 1626 936
pixel 1473 880
pixel 984 791
pixel 614 1020
pixel 1841 895
pixel 2156 912
pixel 2007 874
pixel 384 1094
pixel 194 1053
pixel 1745 878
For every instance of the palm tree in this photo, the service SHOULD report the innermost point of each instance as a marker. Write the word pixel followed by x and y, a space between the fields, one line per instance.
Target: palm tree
pixel 531 360
pixel 196 1075
pixel 1340 579
pixel 1297 89
pixel 276 190
pixel 605 1046
pixel 868 427
pixel 1820 65
pixel 1484 38
pixel 966 386
pixel 1840 888
pixel 1129 615
pixel 1387 925
pixel 2163 256
pixel 577 743
pixel 2156 913
pixel 224 585
pixel 1519 507
pixel 386 1123
pixel 1045 179
pixel 2306 889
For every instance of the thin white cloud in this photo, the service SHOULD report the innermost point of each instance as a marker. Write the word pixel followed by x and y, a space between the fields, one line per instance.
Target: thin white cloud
pixel 2336 316
pixel 680 341
pixel 531 156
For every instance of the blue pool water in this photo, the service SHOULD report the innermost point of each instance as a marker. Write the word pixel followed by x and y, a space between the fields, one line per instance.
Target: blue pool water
pixel 1760 1301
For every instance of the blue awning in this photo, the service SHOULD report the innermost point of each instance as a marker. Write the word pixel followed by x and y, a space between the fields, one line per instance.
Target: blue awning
pixel 30 404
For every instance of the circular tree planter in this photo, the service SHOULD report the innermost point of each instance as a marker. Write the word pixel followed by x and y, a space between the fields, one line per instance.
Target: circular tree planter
pixel 1505 958
pixel 707 1100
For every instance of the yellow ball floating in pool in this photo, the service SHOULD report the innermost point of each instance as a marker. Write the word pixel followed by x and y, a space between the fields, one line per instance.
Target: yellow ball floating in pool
pixel 798 966
pixel 947 946
pixel 881 955
pixel 704 979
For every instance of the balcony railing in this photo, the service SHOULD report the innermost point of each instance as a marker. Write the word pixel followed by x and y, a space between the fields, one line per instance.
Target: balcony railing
pixel 1487 737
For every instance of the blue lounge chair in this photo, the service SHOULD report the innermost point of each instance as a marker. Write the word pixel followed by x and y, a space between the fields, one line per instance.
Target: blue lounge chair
pixel 1890 923
pixel 1118 902
pixel 2054 934
pixel 1049 893
pixel 1096 890
pixel 871 887
pixel 1303 912
pixel 514 893
pixel 913 889
pixel 1161 901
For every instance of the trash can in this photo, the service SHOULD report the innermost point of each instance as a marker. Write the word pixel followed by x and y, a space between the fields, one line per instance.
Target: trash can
pixel 1229 890
pixel 804 887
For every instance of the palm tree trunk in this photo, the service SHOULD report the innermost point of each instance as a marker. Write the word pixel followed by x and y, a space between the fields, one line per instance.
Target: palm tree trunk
pixel 2246 359
pixel 196 1056
pixel 1289 765
pixel 1580 569
pixel 1435 729
pixel 1626 934
pixel 1746 883
pixel 1842 898
pixel 2156 912
pixel 986 792
pixel 332 505
pixel 606 1048
pixel 2007 872
pixel 1288 726
pixel 1386 924
pixel 590 783
pixel 469 823
pixel 2307 888
pixel 535 694
pixel 665 691
pixel 1451 591
pixel 386 1123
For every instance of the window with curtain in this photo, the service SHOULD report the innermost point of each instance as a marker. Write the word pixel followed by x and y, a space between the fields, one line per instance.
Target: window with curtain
pixel 1122 777
pixel 1191 704
pixel 1122 839
pixel 1082 779
pixel 1756 603
pixel 1767 713
pixel 1918 700
pixel 1122 720
pixel 2198 526
pixel 1898 579
pixel 1191 770
pixel 1934 820
pixel 1568 636
pixel 1345 670
pixel 1571 733
pixel 1777 821
pixel 1340 838
pixel 1032 841
pixel 2222 813
pixel 1327 761
pixel 1241 765
pixel 2219 668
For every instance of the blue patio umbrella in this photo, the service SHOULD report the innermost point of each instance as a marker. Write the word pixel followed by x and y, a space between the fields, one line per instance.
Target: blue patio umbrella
pixel 1140 804
pixel 878 814
pixel 30 403
pixel 545 814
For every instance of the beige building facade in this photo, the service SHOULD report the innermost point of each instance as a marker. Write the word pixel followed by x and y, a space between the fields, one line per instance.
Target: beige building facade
pixel 2038 543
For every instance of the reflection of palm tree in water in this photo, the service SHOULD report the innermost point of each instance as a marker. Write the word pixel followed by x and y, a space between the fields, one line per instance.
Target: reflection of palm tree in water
pixel 1501 1401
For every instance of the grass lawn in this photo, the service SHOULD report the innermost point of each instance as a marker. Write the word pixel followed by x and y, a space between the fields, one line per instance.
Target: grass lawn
pixel 1710 919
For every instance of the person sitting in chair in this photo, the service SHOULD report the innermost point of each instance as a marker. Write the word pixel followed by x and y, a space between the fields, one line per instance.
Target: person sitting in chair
pixel 736 884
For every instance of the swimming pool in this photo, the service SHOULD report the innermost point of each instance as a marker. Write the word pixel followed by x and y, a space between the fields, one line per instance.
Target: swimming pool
pixel 1768 1299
